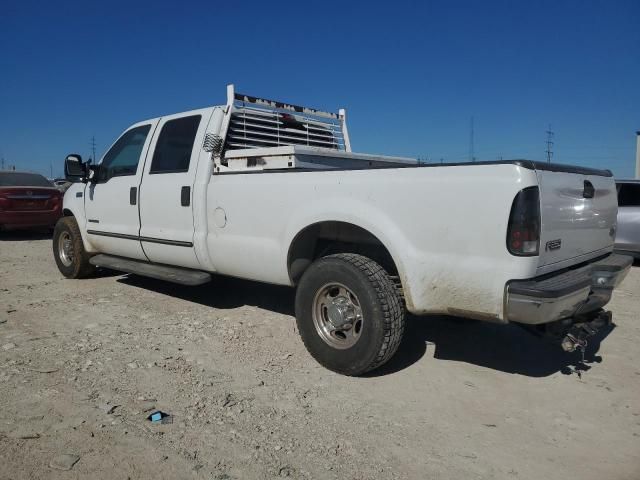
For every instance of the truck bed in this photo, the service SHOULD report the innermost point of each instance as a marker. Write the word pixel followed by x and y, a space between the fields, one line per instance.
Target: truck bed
pixel 303 157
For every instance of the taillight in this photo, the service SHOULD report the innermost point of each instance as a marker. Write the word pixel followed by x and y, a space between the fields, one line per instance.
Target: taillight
pixel 56 201
pixel 523 232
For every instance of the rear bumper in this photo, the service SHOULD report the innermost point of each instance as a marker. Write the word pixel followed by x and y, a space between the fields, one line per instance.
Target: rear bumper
pixel 566 294
pixel 631 250
pixel 26 219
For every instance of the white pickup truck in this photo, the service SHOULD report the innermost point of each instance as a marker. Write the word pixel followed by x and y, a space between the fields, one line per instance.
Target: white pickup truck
pixel 272 192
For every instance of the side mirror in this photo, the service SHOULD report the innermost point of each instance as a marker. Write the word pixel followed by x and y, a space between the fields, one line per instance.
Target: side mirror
pixel 74 168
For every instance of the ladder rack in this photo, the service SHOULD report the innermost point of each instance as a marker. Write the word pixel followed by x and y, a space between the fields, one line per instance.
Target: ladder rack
pixel 263 134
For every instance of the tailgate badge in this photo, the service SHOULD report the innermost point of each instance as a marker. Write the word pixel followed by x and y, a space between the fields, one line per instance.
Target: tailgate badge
pixel 553 244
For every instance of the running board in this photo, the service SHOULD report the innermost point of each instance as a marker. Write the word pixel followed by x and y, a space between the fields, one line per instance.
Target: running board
pixel 183 276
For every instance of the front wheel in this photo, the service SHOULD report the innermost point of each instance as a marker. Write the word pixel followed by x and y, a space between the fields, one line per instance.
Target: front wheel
pixel 68 249
pixel 349 313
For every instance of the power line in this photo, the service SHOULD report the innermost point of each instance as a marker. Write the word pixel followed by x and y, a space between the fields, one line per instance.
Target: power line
pixel 550 142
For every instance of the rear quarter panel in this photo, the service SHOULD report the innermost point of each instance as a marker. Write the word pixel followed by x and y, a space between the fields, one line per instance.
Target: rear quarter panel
pixel 445 227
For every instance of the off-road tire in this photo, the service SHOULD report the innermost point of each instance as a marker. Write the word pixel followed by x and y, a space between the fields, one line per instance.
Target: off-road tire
pixel 382 311
pixel 80 266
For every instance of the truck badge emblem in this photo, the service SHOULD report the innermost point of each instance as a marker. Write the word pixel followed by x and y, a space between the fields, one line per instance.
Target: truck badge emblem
pixel 553 244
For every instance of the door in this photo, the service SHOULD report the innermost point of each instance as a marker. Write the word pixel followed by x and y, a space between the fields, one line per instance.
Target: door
pixel 166 195
pixel 111 201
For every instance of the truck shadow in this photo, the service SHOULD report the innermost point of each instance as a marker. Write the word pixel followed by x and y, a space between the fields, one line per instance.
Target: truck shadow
pixel 506 348
pixel 223 293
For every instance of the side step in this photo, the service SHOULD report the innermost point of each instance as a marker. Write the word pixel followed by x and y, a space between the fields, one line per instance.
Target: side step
pixel 183 276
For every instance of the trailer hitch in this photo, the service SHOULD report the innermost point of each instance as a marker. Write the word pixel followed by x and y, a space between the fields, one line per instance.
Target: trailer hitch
pixel 581 328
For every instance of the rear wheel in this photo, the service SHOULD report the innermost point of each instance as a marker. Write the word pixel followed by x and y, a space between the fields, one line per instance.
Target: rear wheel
pixel 68 249
pixel 349 313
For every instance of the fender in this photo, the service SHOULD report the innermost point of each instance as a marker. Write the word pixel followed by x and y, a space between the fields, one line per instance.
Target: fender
pixel 73 204
pixel 360 214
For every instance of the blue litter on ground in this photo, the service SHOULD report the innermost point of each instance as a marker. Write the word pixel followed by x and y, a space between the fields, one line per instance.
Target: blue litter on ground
pixel 160 417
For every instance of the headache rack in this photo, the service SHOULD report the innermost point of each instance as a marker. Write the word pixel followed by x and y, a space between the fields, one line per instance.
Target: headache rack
pixel 260 134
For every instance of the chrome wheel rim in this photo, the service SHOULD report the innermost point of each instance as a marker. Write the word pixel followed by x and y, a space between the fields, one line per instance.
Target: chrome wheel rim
pixel 65 249
pixel 337 316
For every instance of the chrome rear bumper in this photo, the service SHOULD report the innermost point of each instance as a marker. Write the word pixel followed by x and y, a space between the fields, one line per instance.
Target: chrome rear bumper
pixel 566 294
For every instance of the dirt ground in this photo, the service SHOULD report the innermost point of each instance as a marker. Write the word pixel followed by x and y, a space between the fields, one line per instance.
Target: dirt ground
pixel 84 362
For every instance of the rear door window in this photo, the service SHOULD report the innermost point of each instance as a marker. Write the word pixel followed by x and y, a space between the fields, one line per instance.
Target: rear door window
pixel 175 144
pixel 629 194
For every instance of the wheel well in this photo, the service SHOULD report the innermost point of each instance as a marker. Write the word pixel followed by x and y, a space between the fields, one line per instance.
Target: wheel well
pixel 67 213
pixel 327 238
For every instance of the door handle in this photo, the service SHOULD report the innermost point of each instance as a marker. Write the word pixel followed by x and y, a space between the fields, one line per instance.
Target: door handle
pixel 588 191
pixel 133 195
pixel 185 196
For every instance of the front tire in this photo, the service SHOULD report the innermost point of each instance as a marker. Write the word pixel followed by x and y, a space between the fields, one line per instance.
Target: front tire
pixel 349 313
pixel 68 250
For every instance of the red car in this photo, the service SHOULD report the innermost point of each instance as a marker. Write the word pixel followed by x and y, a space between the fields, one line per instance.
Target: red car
pixel 28 200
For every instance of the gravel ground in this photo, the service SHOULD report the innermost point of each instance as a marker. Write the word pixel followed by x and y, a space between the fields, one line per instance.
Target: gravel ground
pixel 84 362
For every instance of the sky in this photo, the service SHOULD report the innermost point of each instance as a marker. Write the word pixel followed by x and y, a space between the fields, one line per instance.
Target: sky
pixel 410 74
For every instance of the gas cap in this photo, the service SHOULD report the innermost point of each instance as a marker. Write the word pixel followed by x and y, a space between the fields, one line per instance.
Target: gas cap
pixel 220 217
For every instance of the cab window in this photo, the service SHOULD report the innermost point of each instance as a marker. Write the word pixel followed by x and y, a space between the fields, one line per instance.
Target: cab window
pixel 123 157
pixel 175 144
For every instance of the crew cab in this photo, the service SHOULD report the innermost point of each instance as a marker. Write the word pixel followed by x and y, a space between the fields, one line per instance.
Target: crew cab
pixel 270 191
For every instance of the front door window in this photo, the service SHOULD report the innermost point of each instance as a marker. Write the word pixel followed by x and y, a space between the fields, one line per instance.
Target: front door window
pixel 123 157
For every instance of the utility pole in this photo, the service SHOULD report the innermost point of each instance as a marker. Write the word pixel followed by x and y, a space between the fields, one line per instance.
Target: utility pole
pixel 2 163
pixel 93 148
pixel 638 154
pixel 549 144
pixel 472 156
pixel 50 169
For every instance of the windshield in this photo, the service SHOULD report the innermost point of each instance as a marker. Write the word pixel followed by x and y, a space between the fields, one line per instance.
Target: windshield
pixel 23 180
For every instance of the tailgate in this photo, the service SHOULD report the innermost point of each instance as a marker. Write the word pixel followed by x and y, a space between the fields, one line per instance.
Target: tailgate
pixel 578 214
